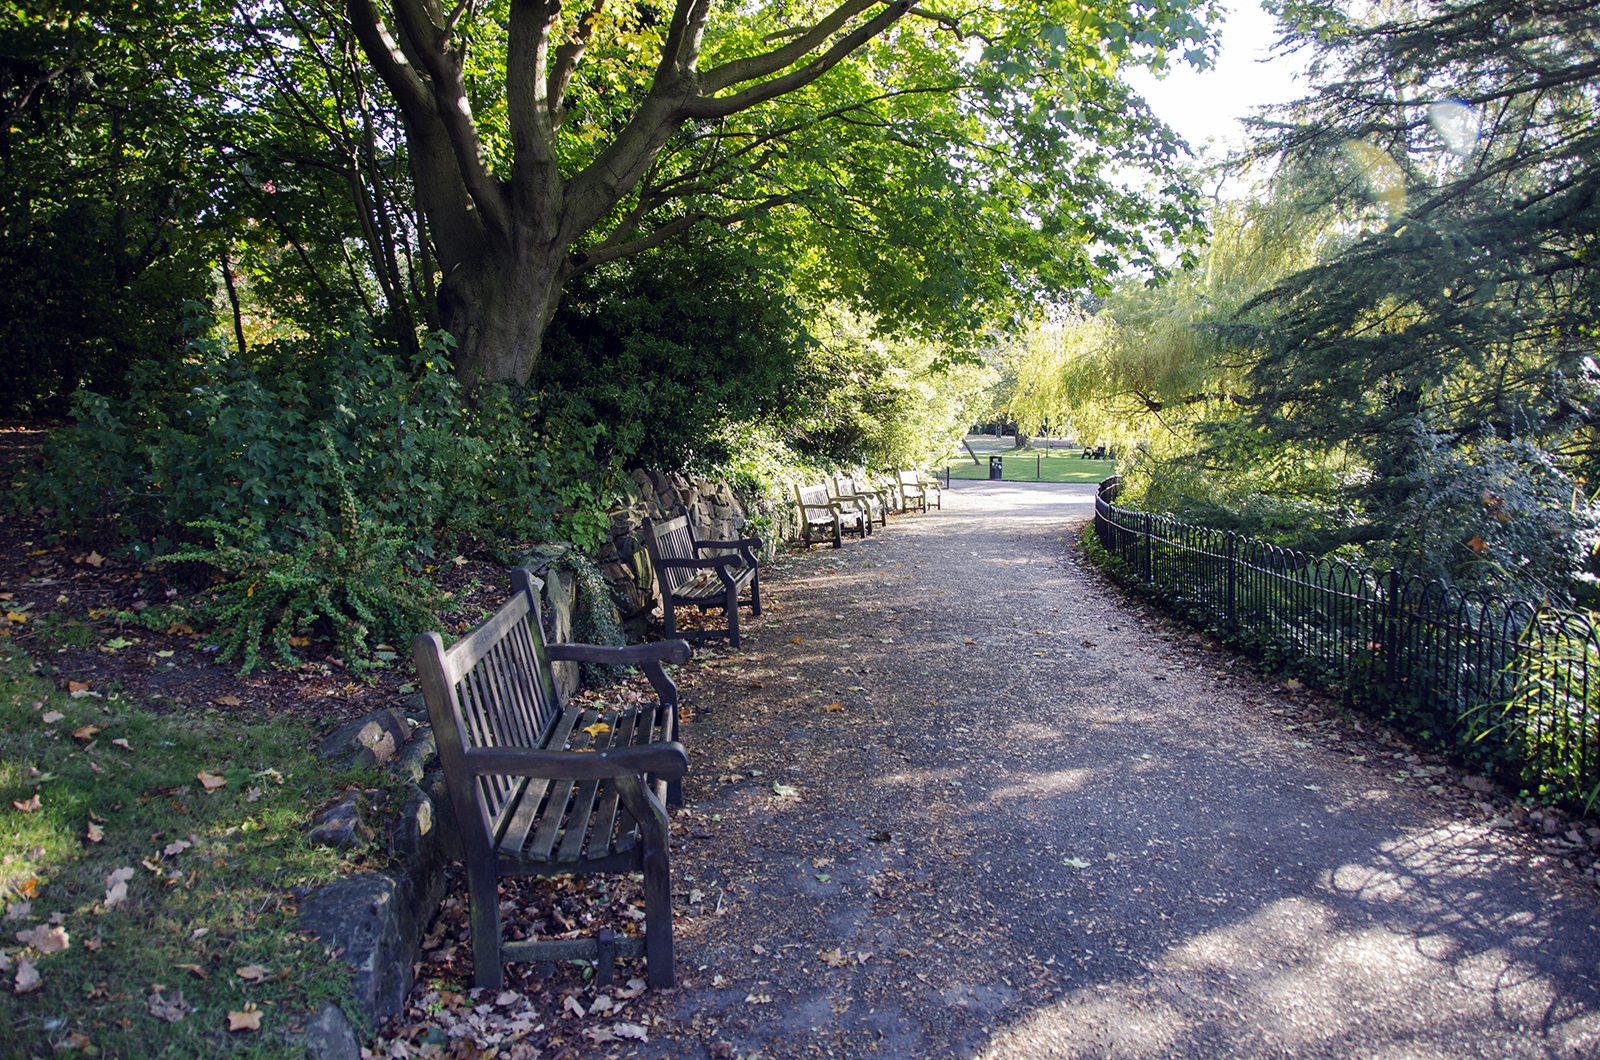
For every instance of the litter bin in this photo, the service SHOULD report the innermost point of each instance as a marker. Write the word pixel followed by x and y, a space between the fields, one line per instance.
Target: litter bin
pixel 995 463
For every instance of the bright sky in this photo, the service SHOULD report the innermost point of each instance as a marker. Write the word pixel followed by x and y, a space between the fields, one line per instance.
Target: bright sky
pixel 1202 106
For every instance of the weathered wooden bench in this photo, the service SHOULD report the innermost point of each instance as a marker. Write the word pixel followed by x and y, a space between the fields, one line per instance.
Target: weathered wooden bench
pixel 692 573
pixel 914 489
pixel 541 788
pixel 818 511
pixel 848 490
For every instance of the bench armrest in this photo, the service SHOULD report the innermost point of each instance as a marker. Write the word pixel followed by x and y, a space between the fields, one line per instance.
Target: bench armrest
pixel 706 563
pixel 667 761
pixel 673 651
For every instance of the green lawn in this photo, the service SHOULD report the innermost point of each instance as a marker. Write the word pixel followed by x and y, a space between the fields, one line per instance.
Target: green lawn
pixel 1033 465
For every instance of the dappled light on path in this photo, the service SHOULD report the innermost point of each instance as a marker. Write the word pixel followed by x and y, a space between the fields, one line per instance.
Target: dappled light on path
pixel 1032 820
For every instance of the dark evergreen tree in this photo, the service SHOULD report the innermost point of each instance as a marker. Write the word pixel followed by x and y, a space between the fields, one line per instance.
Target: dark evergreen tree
pixel 1461 141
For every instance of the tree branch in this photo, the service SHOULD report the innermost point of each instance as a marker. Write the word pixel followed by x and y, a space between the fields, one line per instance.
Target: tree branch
pixel 431 50
pixel 707 107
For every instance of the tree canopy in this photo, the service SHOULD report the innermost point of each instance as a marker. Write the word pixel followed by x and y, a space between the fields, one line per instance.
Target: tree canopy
pixel 937 169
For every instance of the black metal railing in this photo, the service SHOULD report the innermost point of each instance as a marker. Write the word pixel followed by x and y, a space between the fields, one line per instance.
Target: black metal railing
pixel 1506 682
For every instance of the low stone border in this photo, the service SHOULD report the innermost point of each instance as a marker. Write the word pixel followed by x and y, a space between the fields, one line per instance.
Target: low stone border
pixel 375 921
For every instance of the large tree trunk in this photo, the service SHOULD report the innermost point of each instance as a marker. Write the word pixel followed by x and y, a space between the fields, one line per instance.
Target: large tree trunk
pixel 497 308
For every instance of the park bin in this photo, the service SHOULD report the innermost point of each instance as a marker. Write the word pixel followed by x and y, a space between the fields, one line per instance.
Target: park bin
pixel 995 465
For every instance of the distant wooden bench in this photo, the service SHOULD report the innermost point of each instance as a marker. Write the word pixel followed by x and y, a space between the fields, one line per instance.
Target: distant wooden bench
pixel 914 490
pixel 819 511
pixel 852 490
pixel 540 788
pixel 688 573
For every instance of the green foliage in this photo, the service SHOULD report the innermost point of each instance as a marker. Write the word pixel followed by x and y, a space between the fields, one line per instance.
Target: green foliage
pixel 653 355
pixel 272 451
pixel 351 586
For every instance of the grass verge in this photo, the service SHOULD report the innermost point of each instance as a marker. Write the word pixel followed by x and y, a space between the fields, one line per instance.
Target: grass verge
pixel 149 869
pixel 1035 465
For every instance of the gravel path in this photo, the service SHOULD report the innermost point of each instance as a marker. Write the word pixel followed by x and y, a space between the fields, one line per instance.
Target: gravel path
pixel 957 797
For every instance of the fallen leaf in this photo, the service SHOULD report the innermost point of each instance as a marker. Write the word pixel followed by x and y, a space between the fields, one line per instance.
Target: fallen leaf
pixel 832 707
pixel 27 977
pixel 246 1019
pixel 210 781
pixel 85 733
pixel 19 910
pixel 971 641
pixel 73 1043
pixel 228 701
pixel 634 988
pixel 1075 863
pixel 299 642
pixel 176 847
pixel 94 559
pixel 253 972
pixel 574 1006
pixel 44 939
pixel 117 887
pixel 124 744
pixel 1292 685
pixel 96 833
pixel 786 791
pixel 795 640
pixel 599 1035
pixel 16 616
pixel 77 686
pixel 599 728
pixel 834 958
pixel 27 805
pixel 252 795
pixel 53 716
pixel 630 1030
pixel 92 944
pixel 172 1009
pixel 198 933
pixel 194 969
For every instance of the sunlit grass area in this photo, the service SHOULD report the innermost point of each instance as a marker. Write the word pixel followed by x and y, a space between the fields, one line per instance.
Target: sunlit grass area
pixel 149 870
pixel 1052 462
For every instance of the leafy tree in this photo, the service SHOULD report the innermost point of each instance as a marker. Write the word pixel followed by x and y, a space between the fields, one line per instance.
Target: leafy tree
pixel 1460 141
pixel 934 168
pixel 107 180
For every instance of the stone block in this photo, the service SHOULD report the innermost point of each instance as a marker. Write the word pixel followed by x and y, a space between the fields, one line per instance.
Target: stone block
pixel 375 922
pixel 369 741
pixel 343 825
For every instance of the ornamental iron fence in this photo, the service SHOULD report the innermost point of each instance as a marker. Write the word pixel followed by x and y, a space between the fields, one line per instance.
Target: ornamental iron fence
pixel 1505 682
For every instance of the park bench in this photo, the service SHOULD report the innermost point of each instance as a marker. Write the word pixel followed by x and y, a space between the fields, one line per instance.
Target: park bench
pixel 850 492
pixel 693 573
pixel 914 490
pixel 820 511
pixel 542 788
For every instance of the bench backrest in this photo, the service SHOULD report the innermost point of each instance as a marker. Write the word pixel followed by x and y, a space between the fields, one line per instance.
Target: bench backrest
pixel 492 688
pixel 910 482
pixel 672 539
pixel 814 497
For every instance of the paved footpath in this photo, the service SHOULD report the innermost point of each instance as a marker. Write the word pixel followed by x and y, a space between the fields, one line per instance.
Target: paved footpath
pixel 1036 824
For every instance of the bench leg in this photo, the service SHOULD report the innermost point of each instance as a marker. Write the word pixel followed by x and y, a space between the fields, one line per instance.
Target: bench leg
pixel 653 831
pixel 730 604
pixel 838 533
pixel 483 892
pixel 668 616
pixel 755 594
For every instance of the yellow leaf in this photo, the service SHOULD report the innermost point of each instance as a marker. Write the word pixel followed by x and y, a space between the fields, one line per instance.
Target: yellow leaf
pixel 210 781
pixel 228 701
pixel 796 640
pixel 299 642
pixel 1477 544
pixel 247 1019
pixel 16 616
pixel 597 729
pixel 252 972
pixel 831 707
pixel 77 686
